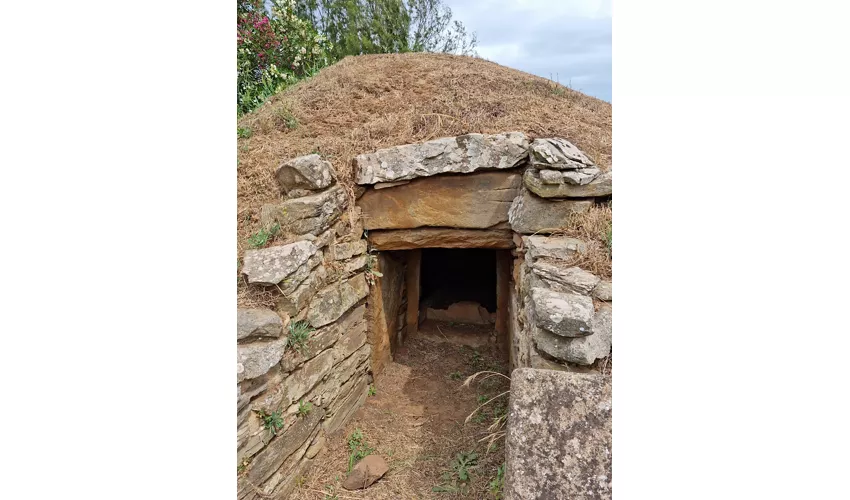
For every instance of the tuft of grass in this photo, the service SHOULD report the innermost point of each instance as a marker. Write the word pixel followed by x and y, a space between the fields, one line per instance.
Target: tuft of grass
pixel 497 483
pixel 372 390
pixel 304 408
pixel 594 227
pixel 299 333
pixel 243 133
pixel 359 448
pixel 261 238
pixel 455 375
pixel 272 421
pixel 283 117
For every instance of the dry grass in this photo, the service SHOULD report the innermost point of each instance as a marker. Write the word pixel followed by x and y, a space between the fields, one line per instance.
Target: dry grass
pixel 594 227
pixel 416 423
pixel 370 102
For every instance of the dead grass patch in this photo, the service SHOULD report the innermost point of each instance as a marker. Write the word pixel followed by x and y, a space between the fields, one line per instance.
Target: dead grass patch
pixel 370 102
pixel 595 228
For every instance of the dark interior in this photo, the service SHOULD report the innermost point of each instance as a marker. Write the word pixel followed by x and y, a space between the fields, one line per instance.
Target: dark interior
pixel 450 275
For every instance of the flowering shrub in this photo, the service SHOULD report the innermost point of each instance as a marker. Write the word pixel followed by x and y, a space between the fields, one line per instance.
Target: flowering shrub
pixel 275 49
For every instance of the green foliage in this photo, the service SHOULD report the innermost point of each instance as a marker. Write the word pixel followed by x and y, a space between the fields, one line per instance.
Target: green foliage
pixel 455 375
pixel 243 133
pixel 455 480
pixel 387 26
pixel 262 237
pixel 359 448
pixel 272 421
pixel 275 48
pixel 498 482
pixel 304 408
pixel 372 390
pixel 299 333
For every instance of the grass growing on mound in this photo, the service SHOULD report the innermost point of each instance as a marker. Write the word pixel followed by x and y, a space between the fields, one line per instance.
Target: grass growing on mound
pixel 369 102
pixel 596 229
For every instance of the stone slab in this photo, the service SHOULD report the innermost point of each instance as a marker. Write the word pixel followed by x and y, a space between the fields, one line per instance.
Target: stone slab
pixel 599 187
pixel 440 237
pixel 530 214
pixel 461 154
pixel 558 443
pixel 475 201
pixel 270 266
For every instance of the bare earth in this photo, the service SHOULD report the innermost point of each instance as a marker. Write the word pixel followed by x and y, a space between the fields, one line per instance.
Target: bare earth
pixel 415 421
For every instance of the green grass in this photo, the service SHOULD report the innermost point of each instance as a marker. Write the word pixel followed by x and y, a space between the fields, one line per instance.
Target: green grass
pixel 272 421
pixel 243 133
pixel 359 448
pixel 299 333
pixel 456 479
pixel 304 408
pixel 498 482
pixel 260 239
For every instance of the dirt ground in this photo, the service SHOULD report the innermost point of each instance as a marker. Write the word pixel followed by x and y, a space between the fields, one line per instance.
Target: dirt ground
pixel 415 421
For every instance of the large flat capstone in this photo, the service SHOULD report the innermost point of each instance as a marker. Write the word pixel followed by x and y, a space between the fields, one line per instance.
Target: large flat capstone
pixel 475 201
pixel 558 443
pixel 461 154
pixel 441 237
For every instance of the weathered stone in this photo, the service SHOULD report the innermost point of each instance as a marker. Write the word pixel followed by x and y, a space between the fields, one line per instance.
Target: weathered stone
pixel 270 266
pixel 268 461
pixel 555 247
pixel 257 323
pixel 551 177
pixel 600 186
pixel 317 446
pixel 347 406
pixel 342 251
pixel 564 278
pixel 352 340
pixel 294 280
pixel 603 291
pixel 461 312
pixel 367 471
pixel 584 350
pixel 541 363
pixel 291 303
pixel 306 215
pixel 558 154
pixel 305 172
pixel 474 201
pixel 558 443
pixel 385 309
pixel 462 154
pixel 298 383
pixel 257 358
pixel 346 268
pixel 531 214
pixel 331 302
pixel 581 177
pixel 339 383
pixel 438 237
pixel 564 314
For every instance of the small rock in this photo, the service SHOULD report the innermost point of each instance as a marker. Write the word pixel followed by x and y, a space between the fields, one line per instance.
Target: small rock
pixel 603 291
pixel 305 173
pixel 559 154
pixel 564 314
pixel 270 266
pixel 257 323
pixel 531 214
pixel 366 472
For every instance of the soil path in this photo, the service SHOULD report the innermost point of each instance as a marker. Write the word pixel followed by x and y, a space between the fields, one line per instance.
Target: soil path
pixel 415 421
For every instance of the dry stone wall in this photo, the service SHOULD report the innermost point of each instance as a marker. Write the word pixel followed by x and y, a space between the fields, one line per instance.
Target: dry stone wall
pixel 291 394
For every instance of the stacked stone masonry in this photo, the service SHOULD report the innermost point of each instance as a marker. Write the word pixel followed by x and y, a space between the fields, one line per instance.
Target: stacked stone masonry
pixel 499 191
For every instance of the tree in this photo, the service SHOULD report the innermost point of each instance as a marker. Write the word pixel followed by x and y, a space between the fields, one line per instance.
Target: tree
pixel 387 26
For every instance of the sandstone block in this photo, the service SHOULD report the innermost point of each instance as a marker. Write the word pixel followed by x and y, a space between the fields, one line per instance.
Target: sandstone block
pixel 478 201
pixel 438 237
pixel 561 277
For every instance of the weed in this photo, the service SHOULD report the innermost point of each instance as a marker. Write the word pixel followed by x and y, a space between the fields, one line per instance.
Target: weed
pixel 372 390
pixel 243 465
pixel 262 237
pixel 455 375
pixel 359 448
pixel 371 269
pixel 299 333
pixel 498 482
pixel 243 133
pixel 304 408
pixel 283 116
pixel 462 463
pixel 331 494
pixel 272 421
pixel 455 480
pixel 482 398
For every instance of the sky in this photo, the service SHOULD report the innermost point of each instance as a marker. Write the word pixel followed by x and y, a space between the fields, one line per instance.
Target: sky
pixel 566 40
